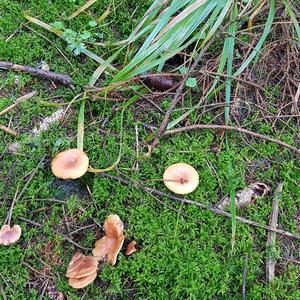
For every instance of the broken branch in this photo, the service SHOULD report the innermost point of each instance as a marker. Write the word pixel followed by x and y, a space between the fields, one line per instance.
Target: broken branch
pixel 238 129
pixel 8 130
pixel 62 78
pixel 271 262
pixel 199 204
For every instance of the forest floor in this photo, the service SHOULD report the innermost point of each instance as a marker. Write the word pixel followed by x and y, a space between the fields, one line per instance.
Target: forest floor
pixel 184 251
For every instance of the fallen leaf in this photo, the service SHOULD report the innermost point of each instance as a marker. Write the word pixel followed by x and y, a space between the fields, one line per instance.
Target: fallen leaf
pixel 107 248
pixel 246 196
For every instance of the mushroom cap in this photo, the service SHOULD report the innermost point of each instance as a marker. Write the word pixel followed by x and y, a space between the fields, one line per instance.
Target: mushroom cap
pixel 70 164
pixel 181 178
pixel 79 283
pixel 131 248
pixel 109 246
pixel 113 226
pixel 81 266
pixel 9 235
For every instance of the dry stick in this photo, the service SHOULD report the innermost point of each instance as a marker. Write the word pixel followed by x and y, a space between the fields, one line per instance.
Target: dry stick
pixel 238 129
pixel 201 205
pixel 19 100
pixel 245 277
pixel 30 178
pixel 177 97
pixel 62 78
pixel 271 262
pixel 8 130
pixel 59 233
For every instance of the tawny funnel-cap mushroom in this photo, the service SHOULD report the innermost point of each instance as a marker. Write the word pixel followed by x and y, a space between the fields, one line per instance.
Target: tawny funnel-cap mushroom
pixel 131 248
pixel 181 178
pixel 108 247
pixel 79 283
pixel 82 270
pixel 9 235
pixel 81 266
pixel 70 164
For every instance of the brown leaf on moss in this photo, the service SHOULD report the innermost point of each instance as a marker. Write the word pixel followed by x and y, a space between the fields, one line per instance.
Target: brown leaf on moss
pixel 246 196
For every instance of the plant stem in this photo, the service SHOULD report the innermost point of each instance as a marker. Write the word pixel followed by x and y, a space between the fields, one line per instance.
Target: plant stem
pixel 80 130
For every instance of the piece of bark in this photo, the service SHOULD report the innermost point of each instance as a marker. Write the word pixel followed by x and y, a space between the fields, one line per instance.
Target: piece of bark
pixel 62 78
pixel 246 196
pixel 271 262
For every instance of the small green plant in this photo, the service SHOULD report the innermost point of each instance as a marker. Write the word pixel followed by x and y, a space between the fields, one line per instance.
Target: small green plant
pixel 76 40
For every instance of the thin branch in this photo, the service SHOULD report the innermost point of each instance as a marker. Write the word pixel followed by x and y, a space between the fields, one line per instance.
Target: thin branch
pixel 199 204
pixel 238 129
pixel 271 262
pixel 19 100
pixel 8 130
pixel 65 237
pixel 62 78
pixel 165 121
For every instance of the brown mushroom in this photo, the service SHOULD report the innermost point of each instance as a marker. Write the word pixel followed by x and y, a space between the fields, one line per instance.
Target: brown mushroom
pixel 79 283
pixel 131 248
pixel 70 164
pixel 181 178
pixel 81 266
pixel 9 235
pixel 108 247
pixel 82 270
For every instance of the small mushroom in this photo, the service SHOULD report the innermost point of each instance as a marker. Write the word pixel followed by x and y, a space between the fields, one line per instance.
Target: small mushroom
pixel 9 235
pixel 181 178
pixel 82 266
pixel 82 270
pixel 108 247
pixel 70 164
pixel 79 283
pixel 131 248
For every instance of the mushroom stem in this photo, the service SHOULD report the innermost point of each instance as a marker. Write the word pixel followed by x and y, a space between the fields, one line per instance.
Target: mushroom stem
pixel 80 128
pixel 9 214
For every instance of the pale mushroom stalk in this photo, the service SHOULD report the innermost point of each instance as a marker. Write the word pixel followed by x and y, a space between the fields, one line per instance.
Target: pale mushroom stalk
pixel 10 235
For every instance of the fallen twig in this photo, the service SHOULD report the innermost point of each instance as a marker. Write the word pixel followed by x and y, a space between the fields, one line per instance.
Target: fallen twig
pixel 164 123
pixel 65 237
pixel 62 78
pixel 8 130
pixel 19 100
pixel 9 214
pixel 199 204
pixel 238 129
pixel 245 277
pixel 271 262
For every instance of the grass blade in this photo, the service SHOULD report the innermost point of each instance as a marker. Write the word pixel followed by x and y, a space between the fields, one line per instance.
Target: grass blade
pixel 81 9
pixel 291 12
pixel 245 64
pixel 80 129
pixel 230 50
pixel 125 106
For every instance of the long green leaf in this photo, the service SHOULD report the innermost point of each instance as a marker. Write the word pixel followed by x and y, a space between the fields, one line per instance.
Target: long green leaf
pixel 80 129
pixel 230 50
pixel 291 12
pixel 245 64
